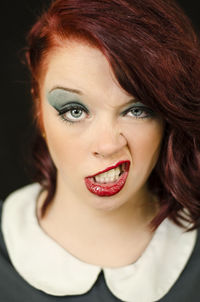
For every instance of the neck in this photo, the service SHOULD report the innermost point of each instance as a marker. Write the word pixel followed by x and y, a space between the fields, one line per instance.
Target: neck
pixel 84 231
pixel 74 214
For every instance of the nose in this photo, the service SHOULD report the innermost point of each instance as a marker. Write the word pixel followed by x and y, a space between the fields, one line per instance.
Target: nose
pixel 108 141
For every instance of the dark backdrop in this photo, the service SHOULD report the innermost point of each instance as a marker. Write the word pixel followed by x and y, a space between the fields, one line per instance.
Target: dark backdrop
pixel 15 109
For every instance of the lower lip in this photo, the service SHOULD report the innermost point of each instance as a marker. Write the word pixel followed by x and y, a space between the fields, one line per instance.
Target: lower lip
pixel 108 189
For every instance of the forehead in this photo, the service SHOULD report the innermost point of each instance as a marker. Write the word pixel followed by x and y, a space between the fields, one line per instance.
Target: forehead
pixel 84 68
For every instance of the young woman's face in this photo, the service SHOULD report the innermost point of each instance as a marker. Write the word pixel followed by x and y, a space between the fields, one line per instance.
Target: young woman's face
pixel 92 125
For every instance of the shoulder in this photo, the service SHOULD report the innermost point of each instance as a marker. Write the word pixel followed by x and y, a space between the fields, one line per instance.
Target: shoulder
pixel 14 212
pixel 28 193
pixel 15 204
pixel 13 207
pixel 187 286
pixel 12 286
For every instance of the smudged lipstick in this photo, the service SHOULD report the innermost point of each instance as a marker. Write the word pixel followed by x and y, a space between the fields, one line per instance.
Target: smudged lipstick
pixel 109 181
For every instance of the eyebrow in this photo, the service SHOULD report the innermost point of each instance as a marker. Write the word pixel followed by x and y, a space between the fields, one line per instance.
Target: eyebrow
pixel 67 89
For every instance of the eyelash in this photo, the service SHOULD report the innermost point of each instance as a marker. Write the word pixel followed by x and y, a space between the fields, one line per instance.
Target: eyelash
pixel 69 108
pixel 148 112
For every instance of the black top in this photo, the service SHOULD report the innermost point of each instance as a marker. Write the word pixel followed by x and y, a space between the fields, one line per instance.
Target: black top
pixel 13 288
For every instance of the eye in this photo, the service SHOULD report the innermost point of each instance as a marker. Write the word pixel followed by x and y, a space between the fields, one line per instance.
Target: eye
pixel 73 113
pixel 139 112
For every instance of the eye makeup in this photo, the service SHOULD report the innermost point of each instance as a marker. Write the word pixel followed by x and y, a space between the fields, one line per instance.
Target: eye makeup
pixel 139 110
pixel 59 98
pixel 70 109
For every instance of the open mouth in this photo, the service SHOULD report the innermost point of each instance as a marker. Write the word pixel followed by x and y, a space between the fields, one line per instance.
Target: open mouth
pixel 109 181
pixel 111 175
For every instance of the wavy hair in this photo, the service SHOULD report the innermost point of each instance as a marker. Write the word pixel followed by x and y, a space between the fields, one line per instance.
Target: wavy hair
pixel 155 56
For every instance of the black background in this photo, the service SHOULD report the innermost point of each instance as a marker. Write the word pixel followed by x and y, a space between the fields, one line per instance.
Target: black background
pixel 15 109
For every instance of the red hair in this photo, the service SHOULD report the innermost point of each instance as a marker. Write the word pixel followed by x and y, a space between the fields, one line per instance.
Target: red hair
pixel 155 56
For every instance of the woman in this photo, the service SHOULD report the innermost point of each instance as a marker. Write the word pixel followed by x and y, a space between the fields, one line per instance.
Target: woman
pixel 115 210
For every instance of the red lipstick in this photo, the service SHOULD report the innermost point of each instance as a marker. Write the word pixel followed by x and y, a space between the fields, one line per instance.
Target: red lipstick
pixel 108 189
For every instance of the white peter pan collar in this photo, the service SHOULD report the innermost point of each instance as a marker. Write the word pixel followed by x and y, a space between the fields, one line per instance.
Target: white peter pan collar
pixel 48 267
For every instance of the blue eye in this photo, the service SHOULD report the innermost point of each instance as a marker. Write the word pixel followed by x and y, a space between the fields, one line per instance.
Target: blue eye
pixel 139 112
pixel 73 113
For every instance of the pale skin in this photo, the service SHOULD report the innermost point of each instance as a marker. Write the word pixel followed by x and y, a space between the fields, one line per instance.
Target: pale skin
pixel 107 231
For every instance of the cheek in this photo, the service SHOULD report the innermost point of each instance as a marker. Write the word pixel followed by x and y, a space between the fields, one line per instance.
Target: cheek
pixel 145 143
pixel 64 146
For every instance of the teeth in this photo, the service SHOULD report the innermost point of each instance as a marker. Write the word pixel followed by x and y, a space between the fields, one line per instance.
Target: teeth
pixel 109 176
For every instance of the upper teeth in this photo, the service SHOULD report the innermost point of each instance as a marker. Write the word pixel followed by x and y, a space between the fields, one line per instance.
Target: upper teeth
pixel 109 176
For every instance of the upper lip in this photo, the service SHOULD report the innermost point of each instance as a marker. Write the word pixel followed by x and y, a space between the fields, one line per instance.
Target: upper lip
pixel 111 167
